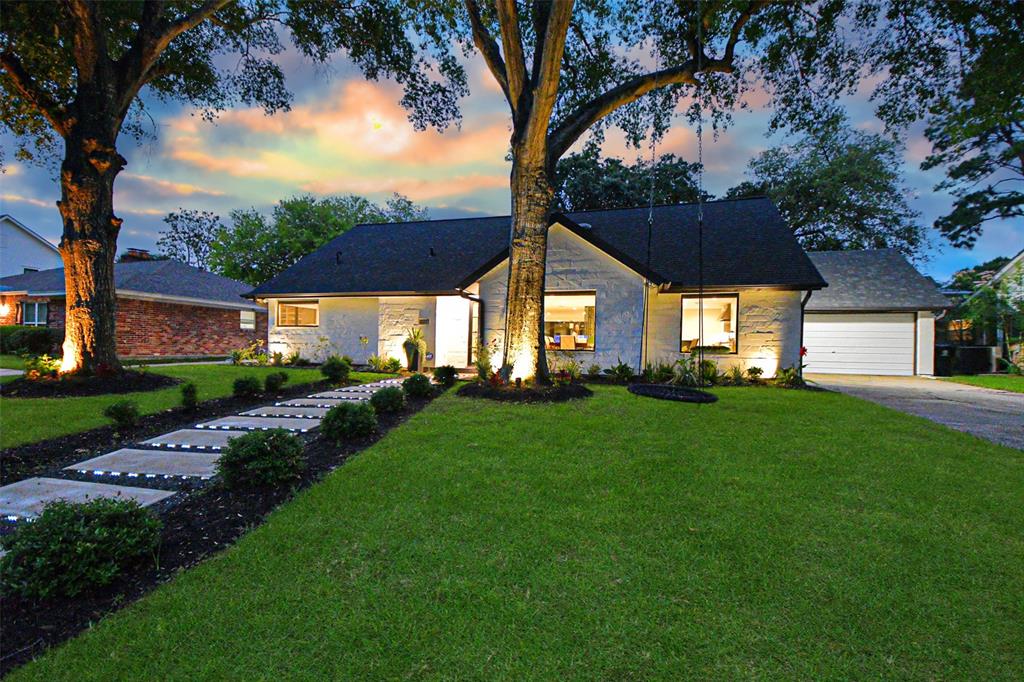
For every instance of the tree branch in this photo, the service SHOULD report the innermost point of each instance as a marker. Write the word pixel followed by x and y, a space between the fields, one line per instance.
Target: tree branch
pixel 86 39
pixel 35 95
pixel 548 69
pixel 488 48
pixel 152 51
pixel 737 26
pixel 512 42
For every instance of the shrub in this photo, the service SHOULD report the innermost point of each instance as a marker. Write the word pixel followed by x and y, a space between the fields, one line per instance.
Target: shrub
pixel 124 414
pixel 246 387
pixel 19 338
pixel 446 375
pixel 41 366
pixel 390 399
pixel 382 363
pixel 189 396
pixel 336 369
pixel 349 420
pixel 789 377
pixel 709 372
pixel 484 354
pixel 734 376
pixel 273 382
pixel 658 373
pixel 620 371
pixel 253 354
pixel 392 365
pixel 74 547
pixel 277 359
pixel 417 386
pixel 594 370
pixel 261 458
pixel 754 373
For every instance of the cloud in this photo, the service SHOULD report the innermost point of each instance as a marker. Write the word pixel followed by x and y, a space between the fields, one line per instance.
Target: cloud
pixel 26 200
pixel 417 189
pixel 167 188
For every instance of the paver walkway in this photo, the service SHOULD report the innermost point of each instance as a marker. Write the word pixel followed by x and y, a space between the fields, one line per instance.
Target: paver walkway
pixel 181 455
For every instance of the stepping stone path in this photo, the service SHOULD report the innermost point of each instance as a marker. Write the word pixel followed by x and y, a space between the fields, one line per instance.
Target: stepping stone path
pixel 185 454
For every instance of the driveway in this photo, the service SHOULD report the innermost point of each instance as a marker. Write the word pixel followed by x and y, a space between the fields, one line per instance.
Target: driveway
pixel 997 416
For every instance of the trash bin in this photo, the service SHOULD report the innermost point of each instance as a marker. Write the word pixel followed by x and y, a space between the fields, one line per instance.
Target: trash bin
pixel 973 360
pixel 945 355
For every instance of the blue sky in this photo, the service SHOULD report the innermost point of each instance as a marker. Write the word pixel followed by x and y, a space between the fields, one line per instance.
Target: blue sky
pixel 345 135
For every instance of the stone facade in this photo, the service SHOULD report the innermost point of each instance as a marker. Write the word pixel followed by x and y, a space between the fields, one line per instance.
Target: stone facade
pixel 399 314
pixel 343 322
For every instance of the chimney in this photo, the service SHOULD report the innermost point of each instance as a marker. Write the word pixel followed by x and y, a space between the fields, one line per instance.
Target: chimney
pixel 135 255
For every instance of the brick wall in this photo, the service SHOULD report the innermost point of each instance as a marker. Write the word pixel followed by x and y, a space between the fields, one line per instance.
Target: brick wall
pixel 9 309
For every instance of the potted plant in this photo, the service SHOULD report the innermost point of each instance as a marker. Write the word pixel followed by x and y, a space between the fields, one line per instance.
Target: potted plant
pixel 415 346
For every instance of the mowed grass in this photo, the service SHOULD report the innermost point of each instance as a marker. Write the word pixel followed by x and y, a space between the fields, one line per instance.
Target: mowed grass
pixel 26 420
pixel 776 535
pixel 1001 382
pixel 11 362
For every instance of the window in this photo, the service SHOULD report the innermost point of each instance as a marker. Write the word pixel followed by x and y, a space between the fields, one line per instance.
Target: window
pixel 33 314
pixel 24 270
pixel 247 319
pixel 569 321
pixel 719 324
pixel 298 314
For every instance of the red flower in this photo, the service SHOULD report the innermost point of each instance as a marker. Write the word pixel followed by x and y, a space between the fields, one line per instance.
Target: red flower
pixel 803 351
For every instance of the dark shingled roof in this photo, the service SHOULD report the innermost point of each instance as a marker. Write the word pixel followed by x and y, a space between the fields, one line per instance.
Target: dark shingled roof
pixel 746 243
pixel 158 277
pixel 878 279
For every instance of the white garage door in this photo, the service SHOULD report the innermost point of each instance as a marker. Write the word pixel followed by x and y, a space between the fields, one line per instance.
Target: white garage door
pixel 861 343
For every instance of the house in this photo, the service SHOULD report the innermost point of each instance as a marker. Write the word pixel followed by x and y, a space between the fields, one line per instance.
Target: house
pixel 877 315
pixel 22 250
pixel 164 308
pixel 1010 277
pixel 612 294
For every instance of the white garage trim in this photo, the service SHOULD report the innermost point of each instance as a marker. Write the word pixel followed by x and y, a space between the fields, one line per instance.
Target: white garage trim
pixel 861 343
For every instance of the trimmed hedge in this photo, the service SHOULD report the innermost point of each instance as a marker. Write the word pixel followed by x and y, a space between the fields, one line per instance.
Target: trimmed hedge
pixel 390 399
pixel 349 420
pixel 19 338
pixel 418 386
pixel 261 458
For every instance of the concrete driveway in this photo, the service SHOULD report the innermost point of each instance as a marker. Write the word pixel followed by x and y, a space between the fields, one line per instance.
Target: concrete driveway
pixel 997 416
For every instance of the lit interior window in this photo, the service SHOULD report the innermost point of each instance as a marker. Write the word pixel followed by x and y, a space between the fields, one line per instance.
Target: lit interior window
pixel 569 321
pixel 297 314
pixel 719 324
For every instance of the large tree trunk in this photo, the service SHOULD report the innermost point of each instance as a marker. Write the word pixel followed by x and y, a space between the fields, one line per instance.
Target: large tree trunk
pixel 532 196
pixel 88 247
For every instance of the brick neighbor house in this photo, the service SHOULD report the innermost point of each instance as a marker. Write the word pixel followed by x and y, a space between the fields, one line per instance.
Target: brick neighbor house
pixel 165 308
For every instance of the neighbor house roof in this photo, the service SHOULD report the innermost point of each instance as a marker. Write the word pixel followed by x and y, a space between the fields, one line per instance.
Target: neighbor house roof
pixel 157 279
pixel 29 231
pixel 872 280
pixel 746 243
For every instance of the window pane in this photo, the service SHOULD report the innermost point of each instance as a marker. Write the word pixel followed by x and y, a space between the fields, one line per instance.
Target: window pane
pixel 297 314
pixel 569 321
pixel 248 319
pixel 28 313
pixel 719 324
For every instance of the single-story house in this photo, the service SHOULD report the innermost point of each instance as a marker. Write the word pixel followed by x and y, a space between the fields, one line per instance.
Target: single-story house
pixel 877 315
pixel 164 308
pixel 612 294
pixel 23 250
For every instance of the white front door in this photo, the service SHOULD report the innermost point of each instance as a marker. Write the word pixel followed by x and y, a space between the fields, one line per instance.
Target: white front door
pixel 859 343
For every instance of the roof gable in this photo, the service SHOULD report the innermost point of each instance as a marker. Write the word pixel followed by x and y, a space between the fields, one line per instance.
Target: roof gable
pixel 29 231
pixel 874 279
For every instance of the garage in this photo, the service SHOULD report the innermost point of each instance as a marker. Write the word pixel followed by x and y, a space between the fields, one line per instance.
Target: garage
pixel 859 343
pixel 876 316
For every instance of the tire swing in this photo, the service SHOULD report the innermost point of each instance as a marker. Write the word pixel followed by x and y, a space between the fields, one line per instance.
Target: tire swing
pixel 683 394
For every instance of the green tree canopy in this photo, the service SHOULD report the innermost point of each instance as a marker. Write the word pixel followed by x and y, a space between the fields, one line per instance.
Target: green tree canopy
pixel 839 189
pixel 257 248
pixel 189 235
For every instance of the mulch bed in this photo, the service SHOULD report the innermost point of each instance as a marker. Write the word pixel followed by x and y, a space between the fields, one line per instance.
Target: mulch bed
pixel 532 394
pixel 197 526
pixel 32 459
pixel 128 381
pixel 670 392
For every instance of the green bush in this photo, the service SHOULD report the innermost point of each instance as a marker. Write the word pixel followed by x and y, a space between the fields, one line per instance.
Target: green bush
pixel 620 372
pixel 261 458
pixel 246 387
pixel 189 396
pixel 336 369
pixel 754 373
pixel 789 377
pixel 392 365
pixel 349 420
pixel 594 370
pixel 446 375
pixel 74 547
pixel 124 414
pixel 274 381
pixel 734 377
pixel 41 366
pixel 418 386
pixel 390 399
pixel 19 338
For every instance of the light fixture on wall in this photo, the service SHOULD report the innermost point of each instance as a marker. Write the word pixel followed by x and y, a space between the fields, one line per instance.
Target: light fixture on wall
pixel 5 309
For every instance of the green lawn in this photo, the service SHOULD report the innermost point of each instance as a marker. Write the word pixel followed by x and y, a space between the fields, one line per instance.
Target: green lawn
pixel 29 420
pixel 776 534
pixel 11 362
pixel 1002 382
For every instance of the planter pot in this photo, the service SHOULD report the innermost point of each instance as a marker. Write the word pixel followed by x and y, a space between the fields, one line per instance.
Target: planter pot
pixel 412 357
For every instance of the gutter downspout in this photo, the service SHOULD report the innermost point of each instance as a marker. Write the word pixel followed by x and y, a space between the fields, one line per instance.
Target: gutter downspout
pixel 803 305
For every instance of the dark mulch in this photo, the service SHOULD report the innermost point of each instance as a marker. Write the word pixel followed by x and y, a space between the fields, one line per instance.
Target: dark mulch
pixel 205 522
pixel 127 381
pixel 33 459
pixel 532 394
pixel 670 392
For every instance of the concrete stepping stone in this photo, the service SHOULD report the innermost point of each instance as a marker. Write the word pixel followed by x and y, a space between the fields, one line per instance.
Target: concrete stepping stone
pixel 320 402
pixel 195 439
pixel 133 463
pixel 300 424
pixel 346 392
pixel 287 411
pixel 26 499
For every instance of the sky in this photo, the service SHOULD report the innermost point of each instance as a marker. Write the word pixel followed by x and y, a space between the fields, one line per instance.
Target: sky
pixel 346 135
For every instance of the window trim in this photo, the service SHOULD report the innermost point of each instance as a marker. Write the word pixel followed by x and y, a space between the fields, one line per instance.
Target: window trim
pixel 35 305
pixel 315 302
pixel 682 304
pixel 573 292
pixel 243 323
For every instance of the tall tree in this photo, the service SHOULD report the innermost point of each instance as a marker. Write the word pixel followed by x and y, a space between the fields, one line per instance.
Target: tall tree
pixel 189 235
pixel 588 182
pixel 71 76
pixel 255 249
pixel 839 189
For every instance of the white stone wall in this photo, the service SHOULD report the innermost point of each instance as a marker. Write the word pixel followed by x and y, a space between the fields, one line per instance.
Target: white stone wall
pixel 769 329
pixel 575 265
pixel 399 314
pixel 19 250
pixel 342 321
